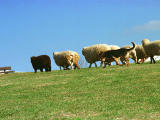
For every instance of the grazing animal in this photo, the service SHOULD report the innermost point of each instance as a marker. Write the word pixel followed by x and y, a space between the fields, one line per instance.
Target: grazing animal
pixel 65 59
pixel 91 53
pixel 41 62
pixel 138 54
pixel 103 61
pixel 141 55
pixel 151 48
pixel 115 54
pixel 131 54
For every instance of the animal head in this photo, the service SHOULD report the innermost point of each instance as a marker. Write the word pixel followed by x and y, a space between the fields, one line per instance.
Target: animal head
pixel 145 41
pixel 33 59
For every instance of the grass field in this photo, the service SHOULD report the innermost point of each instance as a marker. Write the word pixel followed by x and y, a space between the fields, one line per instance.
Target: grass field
pixel 113 93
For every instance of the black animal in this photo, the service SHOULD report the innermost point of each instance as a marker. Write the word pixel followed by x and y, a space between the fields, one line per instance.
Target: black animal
pixel 41 62
pixel 115 54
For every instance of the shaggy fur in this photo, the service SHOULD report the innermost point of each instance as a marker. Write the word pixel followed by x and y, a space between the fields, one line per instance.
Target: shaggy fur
pixel 41 62
pixel 138 54
pixel 66 58
pixel 115 54
pixel 141 55
pixel 151 48
pixel 91 53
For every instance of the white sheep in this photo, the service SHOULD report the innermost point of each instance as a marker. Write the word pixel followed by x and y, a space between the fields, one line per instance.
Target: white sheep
pixel 140 53
pixel 137 54
pixel 151 48
pixel 66 58
pixel 91 53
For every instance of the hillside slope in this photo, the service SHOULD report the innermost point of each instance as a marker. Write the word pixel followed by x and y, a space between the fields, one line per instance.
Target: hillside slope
pixel 112 93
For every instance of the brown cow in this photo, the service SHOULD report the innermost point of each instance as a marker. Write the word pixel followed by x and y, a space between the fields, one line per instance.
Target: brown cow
pixel 41 62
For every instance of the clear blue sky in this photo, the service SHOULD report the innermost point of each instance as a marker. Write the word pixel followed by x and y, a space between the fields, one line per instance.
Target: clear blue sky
pixel 35 27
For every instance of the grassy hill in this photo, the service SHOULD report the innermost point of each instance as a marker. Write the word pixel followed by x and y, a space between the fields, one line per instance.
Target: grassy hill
pixel 111 93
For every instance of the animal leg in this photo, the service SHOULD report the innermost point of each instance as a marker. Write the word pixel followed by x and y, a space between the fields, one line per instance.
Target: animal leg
pixel 116 60
pixel 110 63
pixel 154 60
pixel 122 61
pixel 90 65
pixel 105 64
pixel 138 61
pixel 41 69
pixel 101 63
pixel 127 61
pixel 95 64
pixel 71 65
pixel 49 68
pixel 46 69
pixel 135 60
pixel 76 66
pixel 151 59
pixel 35 70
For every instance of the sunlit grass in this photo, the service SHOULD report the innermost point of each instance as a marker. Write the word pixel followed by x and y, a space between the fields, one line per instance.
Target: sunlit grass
pixel 93 94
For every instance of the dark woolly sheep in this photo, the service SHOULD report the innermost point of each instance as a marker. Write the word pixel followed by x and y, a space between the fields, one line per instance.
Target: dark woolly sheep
pixel 41 62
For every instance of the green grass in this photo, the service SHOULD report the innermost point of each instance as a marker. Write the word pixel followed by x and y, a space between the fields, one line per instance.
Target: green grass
pixel 111 93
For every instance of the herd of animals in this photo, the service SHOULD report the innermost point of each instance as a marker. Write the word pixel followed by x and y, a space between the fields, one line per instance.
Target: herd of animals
pixel 100 52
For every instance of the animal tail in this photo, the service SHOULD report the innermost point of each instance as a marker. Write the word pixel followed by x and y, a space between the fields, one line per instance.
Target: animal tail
pixel 134 45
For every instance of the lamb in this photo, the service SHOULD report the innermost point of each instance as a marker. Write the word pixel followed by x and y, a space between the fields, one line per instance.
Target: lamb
pixel 91 53
pixel 66 58
pixel 151 48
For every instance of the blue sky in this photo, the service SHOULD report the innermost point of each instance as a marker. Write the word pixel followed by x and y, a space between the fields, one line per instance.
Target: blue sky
pixel 35 27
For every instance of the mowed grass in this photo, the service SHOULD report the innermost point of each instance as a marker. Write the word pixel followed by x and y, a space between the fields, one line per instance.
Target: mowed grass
pixel 111 93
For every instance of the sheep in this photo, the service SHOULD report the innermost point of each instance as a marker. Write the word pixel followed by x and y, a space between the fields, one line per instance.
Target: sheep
pixel 40 62
pixel 151 48
pixel 116 54
pixel 91 53
pixel 137 54
pixel 66 58
pixel 140 53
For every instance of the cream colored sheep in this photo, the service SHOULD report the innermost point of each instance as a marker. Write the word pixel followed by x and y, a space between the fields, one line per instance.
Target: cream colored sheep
pixel 137 54
pixel 91 53
pixel 140 53
pixel 151 48
pixel 66 58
